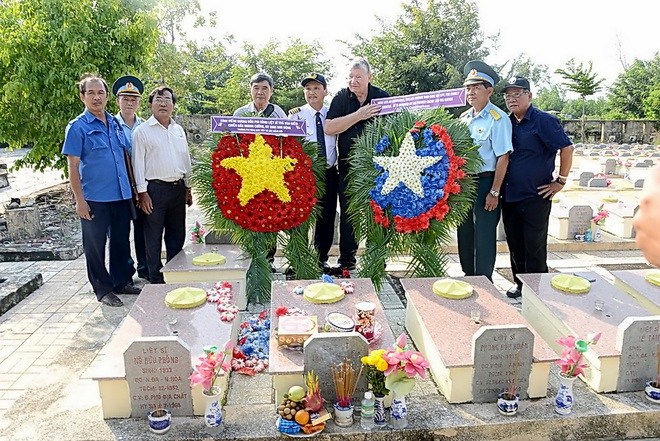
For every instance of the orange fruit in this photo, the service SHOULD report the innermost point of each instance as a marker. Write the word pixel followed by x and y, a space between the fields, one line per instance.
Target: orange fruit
pixel 302 417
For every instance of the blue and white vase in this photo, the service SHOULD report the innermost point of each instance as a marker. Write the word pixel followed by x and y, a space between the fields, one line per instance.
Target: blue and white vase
pixel 652 391
pixel 213 411
pixel 380 419
pixel 160 421
pixel 564 400
pixel 507 405
pixel 398 411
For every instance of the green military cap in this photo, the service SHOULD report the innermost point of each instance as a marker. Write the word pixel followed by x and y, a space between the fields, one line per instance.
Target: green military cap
pixel 127 85
pixel 477 72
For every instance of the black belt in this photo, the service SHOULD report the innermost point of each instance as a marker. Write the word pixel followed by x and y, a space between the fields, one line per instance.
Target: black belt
pixel 486 174
pixel 158 181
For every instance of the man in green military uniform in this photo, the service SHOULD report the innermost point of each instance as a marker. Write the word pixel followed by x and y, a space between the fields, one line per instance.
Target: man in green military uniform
pixel 490 128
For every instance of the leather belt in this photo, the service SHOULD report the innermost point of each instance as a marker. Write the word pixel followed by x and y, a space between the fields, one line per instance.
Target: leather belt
pixel 159 181
pixel 486 174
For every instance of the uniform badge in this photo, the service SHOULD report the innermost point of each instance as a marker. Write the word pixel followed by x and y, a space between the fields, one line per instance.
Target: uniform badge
pixel 512 80
pixel 481 130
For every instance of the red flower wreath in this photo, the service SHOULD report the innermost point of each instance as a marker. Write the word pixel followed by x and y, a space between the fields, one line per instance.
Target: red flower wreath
pixel 265 211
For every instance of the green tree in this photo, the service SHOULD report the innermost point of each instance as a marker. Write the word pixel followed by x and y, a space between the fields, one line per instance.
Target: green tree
pixel 583 81
pixel 632 87
pixel 46 46
pixel 426 48
pixel 537 74
pixel 593 108
pixel 552 98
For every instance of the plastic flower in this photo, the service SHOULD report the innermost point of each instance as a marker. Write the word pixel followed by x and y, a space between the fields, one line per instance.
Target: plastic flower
pixel 197 233
pixel 601 215
pixel 571 362
pixel 402 366
pixel 212 366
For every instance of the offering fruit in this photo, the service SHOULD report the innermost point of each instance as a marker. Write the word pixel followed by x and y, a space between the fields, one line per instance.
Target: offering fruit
pixel 302 417
pixel 310 428
pixel 296 393
pixel 288 408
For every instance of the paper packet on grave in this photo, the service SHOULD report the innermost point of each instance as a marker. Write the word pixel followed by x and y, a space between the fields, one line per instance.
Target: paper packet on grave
pixel 209 259
pixel 452 289
pixel 653 277
pixel 571 284
pixel 323 293
pixel 185 298
pixel 292 331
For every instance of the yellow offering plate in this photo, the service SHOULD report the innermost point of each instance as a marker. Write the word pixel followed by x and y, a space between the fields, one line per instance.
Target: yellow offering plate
pixel 452 289
pixel 323 293
pixel 571 284
pixel 187 297
pixel 209 259
pixel 653 277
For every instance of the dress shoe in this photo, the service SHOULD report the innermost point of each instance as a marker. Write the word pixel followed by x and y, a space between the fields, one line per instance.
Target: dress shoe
pixel 111 300
pixel 129 289
pixel 514 292
pixel 325 268
pixel 143 275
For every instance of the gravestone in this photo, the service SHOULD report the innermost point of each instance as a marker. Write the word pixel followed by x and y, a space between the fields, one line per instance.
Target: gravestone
pixel 649 147
pixel 638 340
pixel 608 153
pixel 579 219
pixel 633 233
pixel 624 147
pixel 217 238
pixel 585 177
pixel 649 162
pixel 594 154
pixel 610 166
pixel 642 165
pixel 625 154
pixel 655 155
pixel 639 183
pixel 23 223
pixel 578 152
pixel 4 176
pixel 496 349
pixel 157 371
pixel 323 350
pixel 636 153
pixel 597 183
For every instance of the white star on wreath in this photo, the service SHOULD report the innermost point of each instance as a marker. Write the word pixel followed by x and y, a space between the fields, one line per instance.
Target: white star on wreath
pixel 406 168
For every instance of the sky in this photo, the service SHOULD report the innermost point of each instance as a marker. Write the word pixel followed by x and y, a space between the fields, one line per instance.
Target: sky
pixel 549 33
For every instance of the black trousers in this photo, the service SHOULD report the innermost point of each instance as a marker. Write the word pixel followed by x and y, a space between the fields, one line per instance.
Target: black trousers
pixel 168 217
pixel 526 227
pixel 324 232
pixel 348 246
pixel 110 222
pixel 477 235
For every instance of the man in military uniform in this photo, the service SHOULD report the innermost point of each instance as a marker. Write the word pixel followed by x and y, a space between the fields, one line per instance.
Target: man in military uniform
pixel 529 185
pixel 128 90
pixel 314 113
pixel 490 129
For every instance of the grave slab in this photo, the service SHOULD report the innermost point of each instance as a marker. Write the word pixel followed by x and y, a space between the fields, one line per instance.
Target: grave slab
pixel 287 366
pixel 555 314
pixel 181 268
pixel 565 222
pixel 620 220
pixel 150 318
pixel 443 331
pixel 634 284
pixel 638 341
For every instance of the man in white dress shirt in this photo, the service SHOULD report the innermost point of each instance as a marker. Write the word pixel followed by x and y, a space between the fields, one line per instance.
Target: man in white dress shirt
pixel 314 113
pixel 261 89
pixel 161 164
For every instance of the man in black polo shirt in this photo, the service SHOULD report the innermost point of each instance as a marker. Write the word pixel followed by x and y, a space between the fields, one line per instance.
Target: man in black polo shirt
pixel 349 112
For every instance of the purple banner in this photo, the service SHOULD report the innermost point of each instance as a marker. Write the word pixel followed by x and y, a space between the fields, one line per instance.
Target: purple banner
pixel 422 101
pixel 263 126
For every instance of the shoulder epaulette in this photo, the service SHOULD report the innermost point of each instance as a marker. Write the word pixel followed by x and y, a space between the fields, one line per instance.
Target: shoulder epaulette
pixel 294 111
pixel 465 113
pixel 495 114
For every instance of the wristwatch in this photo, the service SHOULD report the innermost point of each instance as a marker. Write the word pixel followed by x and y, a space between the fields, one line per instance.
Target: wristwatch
pixel 560 181
pixel 495 193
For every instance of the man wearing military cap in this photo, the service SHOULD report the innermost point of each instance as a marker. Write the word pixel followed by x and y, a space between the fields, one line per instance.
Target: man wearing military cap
pixel 314 113
pixel 128 90
pixel 491 131
pixel 529 184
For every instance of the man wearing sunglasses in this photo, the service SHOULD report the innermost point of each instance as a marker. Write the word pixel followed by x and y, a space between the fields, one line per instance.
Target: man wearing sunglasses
pixel 529 185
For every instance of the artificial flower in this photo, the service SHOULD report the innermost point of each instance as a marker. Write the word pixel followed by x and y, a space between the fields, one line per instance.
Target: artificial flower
pixel 403 365
pixel 571 361
pixel 211 366
pixel 197 233
pixel 601 215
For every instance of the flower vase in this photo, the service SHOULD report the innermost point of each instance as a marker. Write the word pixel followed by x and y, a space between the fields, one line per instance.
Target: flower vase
pixel 213 411
pixel 507 403
pixel 652 391
pixel 564 400
pixel 160 421
pixel 596 233
pixel 398 411
pixel 379 411
pixel 343 415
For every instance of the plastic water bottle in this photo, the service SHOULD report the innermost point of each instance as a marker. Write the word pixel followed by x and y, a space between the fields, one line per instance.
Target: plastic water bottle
pixel 588 236
pixel 367 412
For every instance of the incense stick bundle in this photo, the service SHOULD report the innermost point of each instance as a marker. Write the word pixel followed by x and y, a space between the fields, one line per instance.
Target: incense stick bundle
pixel 345 381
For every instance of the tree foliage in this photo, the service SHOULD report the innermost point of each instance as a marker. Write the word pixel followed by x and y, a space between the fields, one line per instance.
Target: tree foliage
pixel 47 45
pixel 426 48
pixel 632 94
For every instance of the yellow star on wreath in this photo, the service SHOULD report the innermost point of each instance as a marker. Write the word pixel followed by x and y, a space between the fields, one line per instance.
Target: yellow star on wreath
pixel 406 168
pixel 260 171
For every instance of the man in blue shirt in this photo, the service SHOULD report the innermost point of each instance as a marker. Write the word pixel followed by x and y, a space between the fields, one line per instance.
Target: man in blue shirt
pixel 491 131
pixel 128 90
pixel 529 185
pixel 94 145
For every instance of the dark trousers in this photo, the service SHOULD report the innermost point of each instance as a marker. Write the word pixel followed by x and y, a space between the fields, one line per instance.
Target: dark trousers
pixel 140 250
pixel 168 216
pixel 110 222
pixel 325 225
pixel 348 246
pixel 526 228
pixel 477 235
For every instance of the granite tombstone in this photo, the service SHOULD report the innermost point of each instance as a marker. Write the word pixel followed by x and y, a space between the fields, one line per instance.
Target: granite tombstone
pixel 638 341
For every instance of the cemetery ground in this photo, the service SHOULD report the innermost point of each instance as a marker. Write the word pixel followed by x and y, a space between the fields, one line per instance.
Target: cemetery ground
pixel 50 338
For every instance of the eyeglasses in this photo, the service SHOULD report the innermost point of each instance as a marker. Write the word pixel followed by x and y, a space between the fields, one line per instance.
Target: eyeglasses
pixel 162 100
pixel 514 95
